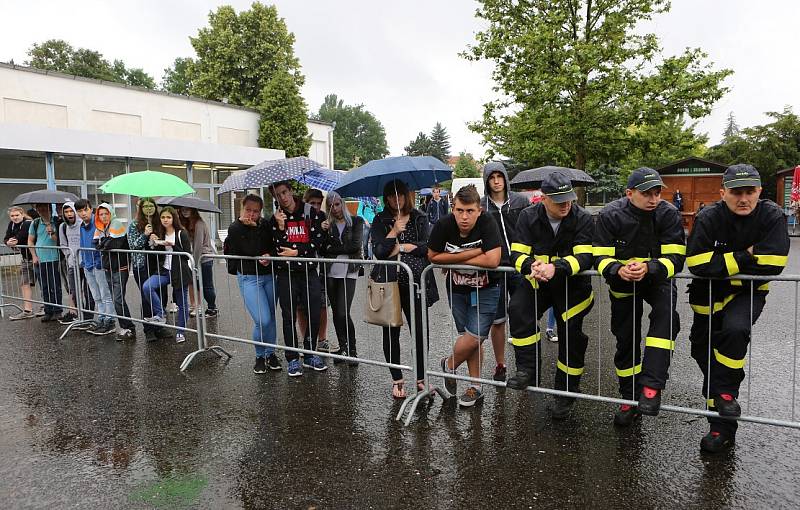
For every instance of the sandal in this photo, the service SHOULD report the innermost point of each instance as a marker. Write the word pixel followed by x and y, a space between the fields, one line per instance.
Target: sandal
pixel 421 386
pixel 398 391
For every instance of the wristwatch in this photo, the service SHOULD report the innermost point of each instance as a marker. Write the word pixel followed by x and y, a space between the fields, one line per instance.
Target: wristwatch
pixel 402 249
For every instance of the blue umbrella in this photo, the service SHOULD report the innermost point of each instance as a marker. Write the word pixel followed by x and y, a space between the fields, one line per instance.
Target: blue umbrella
pixel 268 172
pixel 416 171
pixel 321 178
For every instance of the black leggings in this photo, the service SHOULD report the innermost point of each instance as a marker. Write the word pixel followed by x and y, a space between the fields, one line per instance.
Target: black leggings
pixel 391 336
pixel 340 294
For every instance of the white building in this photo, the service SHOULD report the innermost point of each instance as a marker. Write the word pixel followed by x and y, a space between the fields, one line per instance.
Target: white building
pixel 71 133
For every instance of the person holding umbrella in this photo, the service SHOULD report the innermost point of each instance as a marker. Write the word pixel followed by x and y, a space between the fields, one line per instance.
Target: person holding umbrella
pixel 42 239
pixel 400 230
pixel 17 234
pixel 200 237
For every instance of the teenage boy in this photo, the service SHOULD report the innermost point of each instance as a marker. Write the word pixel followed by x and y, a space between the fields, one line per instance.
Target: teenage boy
pixel 43 239
pixel 110 234
pixel 504 206
pixel 69 238
pixel 639 245
pixel 314 198
pixel 437 206
pixel 297 232
pixel 470 238
pixel 740 234
pixel 92 265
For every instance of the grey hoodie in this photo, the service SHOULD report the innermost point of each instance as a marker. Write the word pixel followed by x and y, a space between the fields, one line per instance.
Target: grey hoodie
pixel 507 214
pixel 69 236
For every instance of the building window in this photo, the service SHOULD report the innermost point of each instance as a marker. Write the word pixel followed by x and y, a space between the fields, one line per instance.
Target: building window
pixel 9 191
pixel 102 169
pixel 15 165
pixel 68 167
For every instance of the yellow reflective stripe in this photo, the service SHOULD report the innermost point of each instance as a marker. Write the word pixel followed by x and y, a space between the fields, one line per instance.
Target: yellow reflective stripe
pixel 728 362
pixel 739 283
pixel 710 402
pixel 569 370
pixel 582 248
pixel 700 258
pixel 575 310
pixel 620 295
pixel 719 305
pixel 628 372
pixel 603 250
pixel 673 249
pixel 532 281
pixel 573 263
pixel 522 248
pixel 771 260
pixel 530 340
pixel 554 258
pixel 667 263
pixel 542 258
pixel 520 260
pixel 601 267
pixel 661 343
pixel 764 286
pixel 731 264
pixel 736 283
pixel 635 259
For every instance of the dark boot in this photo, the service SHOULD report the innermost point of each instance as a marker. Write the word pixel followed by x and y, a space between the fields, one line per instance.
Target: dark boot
pixel 626 415
pixel 727 405
pixel 561 407
pixel 521 380
pixel 650 401
pixel 717 442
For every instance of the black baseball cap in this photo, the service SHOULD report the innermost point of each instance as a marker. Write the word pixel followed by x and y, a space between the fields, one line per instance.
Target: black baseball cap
pixel 558 188
pixel 741 175
pixel 644 178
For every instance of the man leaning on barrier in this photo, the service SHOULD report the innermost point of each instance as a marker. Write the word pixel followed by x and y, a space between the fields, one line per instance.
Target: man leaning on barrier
pixel 740 234
pixel 468 237
pixel 553 244
pixel 639 245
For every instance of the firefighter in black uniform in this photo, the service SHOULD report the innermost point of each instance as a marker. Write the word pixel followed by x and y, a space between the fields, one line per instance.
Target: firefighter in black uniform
pixel 553 243
pixel 639 245
pixel 738 234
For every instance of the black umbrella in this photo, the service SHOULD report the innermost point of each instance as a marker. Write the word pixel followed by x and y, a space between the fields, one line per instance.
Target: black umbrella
pixel 533 178
pixel 44 196
pixel 197 203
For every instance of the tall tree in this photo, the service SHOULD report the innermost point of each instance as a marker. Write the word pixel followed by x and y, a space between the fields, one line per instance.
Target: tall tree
pixel 237 54
pixel 358 135
pixel 283 118
pixel 440 142
pixel 420 146
pixel 58 55
pixel 176 77
pixel 574 75
pixel 731 128
pixel 466 166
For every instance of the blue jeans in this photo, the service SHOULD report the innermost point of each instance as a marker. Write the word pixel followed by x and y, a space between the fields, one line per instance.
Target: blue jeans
pixel 475 318
pixel 98 286
pixel 551 319
pixel 50 279
pixel 258 294
pixel 152 291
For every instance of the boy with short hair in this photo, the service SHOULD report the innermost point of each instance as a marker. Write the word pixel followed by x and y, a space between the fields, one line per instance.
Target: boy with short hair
pixel 43 239
pixel 91 263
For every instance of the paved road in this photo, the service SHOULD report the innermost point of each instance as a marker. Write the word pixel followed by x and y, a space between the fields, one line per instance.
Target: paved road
pixel 88 422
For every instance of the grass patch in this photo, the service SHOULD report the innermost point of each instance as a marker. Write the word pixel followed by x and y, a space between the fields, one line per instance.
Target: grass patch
pixel 171 492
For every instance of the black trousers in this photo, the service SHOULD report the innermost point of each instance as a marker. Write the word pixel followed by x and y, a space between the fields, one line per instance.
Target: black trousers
pixel 340 294
pixel 295 287
pixel 391 336
pixel 722 361
pixel 626 325
pixel 571 306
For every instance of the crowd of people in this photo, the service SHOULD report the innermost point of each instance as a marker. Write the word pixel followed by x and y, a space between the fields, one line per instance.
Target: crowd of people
pixel 637 243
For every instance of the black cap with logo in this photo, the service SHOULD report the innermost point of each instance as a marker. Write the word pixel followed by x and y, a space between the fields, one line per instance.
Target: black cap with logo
pixel 738 176
pixel 644 178
pixel 558 188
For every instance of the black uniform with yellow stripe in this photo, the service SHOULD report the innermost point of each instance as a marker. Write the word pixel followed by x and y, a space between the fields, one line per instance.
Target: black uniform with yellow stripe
pixel 625 233
pixel 718 248
pixel 570 251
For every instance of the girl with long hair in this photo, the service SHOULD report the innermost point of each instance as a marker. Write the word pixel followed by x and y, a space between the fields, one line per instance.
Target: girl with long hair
pixel 200 237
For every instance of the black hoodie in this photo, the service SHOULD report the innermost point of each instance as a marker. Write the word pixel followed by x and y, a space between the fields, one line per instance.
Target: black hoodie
pixel 507 214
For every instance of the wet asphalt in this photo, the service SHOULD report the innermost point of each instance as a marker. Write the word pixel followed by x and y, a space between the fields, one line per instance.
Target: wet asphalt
pixel 88 422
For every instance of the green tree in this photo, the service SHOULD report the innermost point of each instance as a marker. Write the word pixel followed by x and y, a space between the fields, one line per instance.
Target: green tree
pixel 283 117
pixel 610 184
pixel 731 128
pixel 466 166
pixel 238 54
pixel 176 77
pixel 51 55
pixel 440 142
pixel 574 75
pixel 358 136
pixel 420 146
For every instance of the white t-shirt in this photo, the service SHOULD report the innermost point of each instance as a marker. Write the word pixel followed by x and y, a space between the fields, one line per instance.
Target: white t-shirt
pixel 168 260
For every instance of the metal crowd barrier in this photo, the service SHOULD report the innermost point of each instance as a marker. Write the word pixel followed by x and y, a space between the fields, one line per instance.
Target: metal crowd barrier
pixel 686 320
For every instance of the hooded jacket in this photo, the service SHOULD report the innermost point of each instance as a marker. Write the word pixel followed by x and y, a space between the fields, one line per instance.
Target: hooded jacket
pixel 302 232
pixel 111 236
pixel 69 236
pixel 507 214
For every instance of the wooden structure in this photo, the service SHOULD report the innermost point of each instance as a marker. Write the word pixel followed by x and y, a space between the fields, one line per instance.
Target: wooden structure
pixel 784 179
pixel 698 180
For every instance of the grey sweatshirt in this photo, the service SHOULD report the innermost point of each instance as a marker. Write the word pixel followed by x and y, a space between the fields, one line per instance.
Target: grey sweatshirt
pixel 201 241
pixel 69 236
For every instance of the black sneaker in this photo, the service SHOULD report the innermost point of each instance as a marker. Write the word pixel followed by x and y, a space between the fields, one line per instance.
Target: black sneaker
pixel 561 407
pixel 626 415
pixel 727 405
pixel 650 401
pixel 103 329
pixel 211 313
pixel 48 317
pixel 500 373
pixel 716 442
pixel 340 352
pixel 353 354
pixel 164 333
pixel 68 318
pixel 520 380
pixel 451 385
pixel 273 362
pixel 261 366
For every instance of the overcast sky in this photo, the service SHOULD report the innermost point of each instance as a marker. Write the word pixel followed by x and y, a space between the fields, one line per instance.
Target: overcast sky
pixel 400 58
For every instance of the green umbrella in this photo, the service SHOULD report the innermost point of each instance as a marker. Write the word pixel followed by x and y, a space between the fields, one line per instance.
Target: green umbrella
pixel 148 184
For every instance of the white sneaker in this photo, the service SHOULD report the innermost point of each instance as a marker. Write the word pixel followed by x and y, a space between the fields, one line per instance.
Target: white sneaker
pixel 193 312
pixel 179 338
pixel 157 319
pixel 172 308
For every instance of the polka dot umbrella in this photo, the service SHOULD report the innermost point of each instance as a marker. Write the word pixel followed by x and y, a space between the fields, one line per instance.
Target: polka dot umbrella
pixel 268 172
